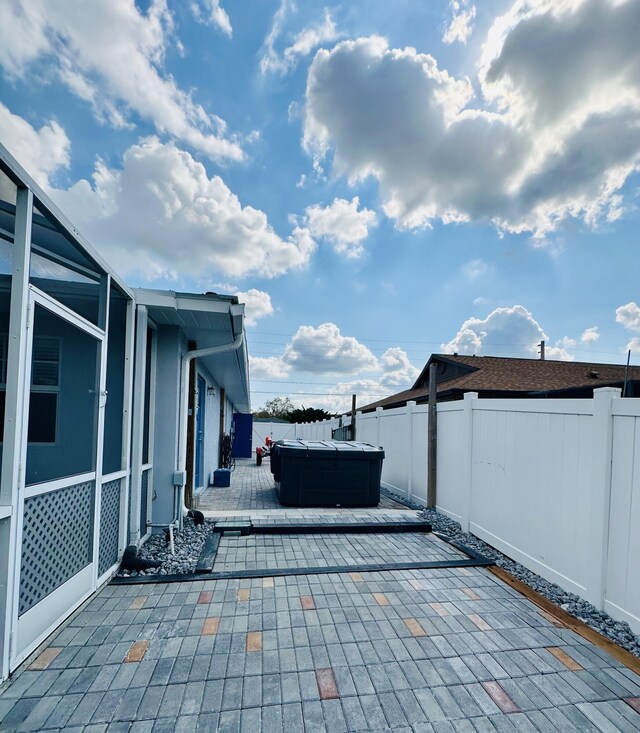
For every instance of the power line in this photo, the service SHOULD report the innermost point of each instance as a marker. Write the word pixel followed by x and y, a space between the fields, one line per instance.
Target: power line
pixel 318 394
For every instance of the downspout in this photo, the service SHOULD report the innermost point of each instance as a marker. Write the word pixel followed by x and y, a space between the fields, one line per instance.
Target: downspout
pixel 180 477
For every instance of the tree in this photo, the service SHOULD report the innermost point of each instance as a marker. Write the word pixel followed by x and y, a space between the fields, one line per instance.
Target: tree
pixel 279 407
pixel 308 414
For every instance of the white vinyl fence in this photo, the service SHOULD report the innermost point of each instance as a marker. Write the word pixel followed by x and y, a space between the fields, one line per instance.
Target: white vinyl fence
pixel 552 483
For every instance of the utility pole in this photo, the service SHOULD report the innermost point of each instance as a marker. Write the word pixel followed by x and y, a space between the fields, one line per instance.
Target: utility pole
pixel 353 417
pixel 626 374
pixel 432 448
pixel 541 345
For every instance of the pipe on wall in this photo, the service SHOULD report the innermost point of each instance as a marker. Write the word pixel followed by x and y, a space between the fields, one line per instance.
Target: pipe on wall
pixel 187 358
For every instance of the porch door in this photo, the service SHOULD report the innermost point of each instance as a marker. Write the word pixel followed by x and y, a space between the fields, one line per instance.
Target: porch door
pixel 58 526
pixel 200 409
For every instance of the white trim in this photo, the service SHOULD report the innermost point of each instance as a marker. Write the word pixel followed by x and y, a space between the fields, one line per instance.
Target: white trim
pixel 146 466
pixel 105 301
pixel 108 477
pixel 127 407
pixel 6 511
pixel 61 310
pixel 14 435
pixel 137 426
pixel 627 407
pixel 108 574
pixel 60 483
pixel 35 619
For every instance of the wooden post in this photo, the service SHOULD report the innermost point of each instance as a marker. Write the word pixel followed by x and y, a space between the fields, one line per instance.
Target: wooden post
pixel 353 417
pixel 432 439
pixel 222 398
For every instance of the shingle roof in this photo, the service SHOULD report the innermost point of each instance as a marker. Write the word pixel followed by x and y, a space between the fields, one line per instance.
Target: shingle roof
pixel 512 375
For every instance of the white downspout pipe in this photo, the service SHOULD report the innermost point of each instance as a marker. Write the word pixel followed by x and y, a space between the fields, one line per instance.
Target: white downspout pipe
pixel 184 403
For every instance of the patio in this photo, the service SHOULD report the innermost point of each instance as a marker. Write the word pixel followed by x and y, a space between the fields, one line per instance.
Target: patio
pixel 423 651
pixel 438 650
pixel 252 490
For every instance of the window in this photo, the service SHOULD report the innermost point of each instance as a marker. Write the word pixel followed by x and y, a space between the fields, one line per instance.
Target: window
pixel 45 385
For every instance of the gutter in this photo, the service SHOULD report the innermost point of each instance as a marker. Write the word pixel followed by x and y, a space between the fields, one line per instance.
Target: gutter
pixel 180 476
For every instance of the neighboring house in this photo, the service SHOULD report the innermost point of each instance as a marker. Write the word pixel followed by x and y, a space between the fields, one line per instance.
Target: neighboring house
pixel 500 376
pixel 112 402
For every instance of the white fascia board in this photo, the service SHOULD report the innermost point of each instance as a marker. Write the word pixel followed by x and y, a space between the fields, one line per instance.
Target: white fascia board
pixel 20 177
pixel 180 301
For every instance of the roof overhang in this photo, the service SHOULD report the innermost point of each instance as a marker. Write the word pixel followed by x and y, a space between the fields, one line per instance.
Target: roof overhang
pixel 208 320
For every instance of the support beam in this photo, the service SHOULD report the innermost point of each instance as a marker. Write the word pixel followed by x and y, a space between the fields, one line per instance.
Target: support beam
pixel 14 447
pixel 432 450
pixel 139 380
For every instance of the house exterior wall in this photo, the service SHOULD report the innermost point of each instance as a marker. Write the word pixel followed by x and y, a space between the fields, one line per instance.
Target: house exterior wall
pixel 170 345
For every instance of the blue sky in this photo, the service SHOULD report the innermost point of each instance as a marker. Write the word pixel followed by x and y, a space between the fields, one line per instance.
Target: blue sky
pixel 378 181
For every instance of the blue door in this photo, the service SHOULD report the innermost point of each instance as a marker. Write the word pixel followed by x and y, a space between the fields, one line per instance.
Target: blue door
pixel 200 403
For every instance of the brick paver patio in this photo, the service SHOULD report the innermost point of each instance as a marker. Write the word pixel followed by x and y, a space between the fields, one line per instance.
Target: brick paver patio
pixel 252 488
pixel 421 651
pixel 446 650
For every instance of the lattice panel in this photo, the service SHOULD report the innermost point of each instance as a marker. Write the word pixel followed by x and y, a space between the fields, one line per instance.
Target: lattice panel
pixel 144 497
pixel 109 525
pixel 57 540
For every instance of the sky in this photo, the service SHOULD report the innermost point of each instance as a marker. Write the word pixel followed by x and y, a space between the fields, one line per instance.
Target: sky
pixel 376 181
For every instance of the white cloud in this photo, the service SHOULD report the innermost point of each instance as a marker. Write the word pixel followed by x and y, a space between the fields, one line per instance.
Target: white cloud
pixel 475 269
pixel 111 55
pixel 342 224
pixel 634 344
pixel 629 316
pixel 395 374
pixel 506 332
pixel 324 350
pixel 303 43
pixel 461 25
pixel 257 305
pixel 268 367
pixel 565 79
pixel 210 11
pixel 590 335
pixel 41 152
pixel 161 215
pixel 561 349
pixel 397 371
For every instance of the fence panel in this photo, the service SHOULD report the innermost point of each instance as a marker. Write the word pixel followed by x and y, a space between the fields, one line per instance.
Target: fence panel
pixel 622 594
pixel 452 476
pixel 530 478
pixel 273 430
pixel 394 438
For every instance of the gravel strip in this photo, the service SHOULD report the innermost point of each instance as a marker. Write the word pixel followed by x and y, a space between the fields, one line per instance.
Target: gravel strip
pixel 401 499
pixel 188 545
pixel 618 631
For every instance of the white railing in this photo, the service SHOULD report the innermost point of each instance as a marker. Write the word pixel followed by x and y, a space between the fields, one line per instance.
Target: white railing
pixel 552 483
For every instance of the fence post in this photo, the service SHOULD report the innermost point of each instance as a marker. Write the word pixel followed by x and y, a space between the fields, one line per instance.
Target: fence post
pixel 466 448
pixel 410 405
pixel 600 493
pixel 379 411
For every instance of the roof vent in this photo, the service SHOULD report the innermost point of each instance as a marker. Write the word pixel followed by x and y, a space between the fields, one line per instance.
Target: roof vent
pixel 593 374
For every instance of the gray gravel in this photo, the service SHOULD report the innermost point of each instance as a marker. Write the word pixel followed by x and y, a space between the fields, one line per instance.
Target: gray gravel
pixel 618 631
pixel 188 545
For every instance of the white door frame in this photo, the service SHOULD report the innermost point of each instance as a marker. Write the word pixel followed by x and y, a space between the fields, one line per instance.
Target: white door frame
pixel 83 583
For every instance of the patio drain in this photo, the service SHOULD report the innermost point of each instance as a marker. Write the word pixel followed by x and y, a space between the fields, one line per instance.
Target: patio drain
pixel 242 530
